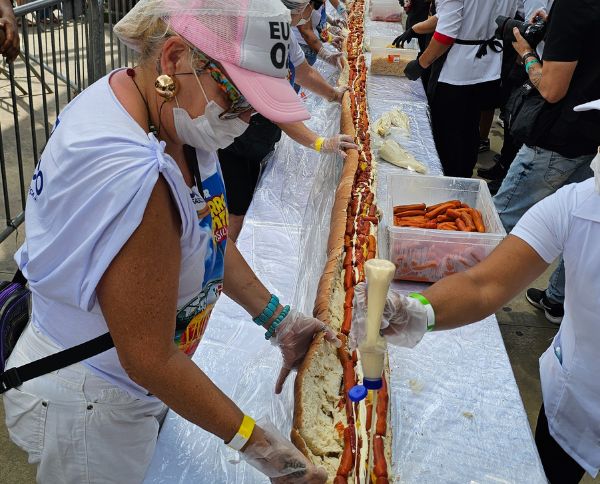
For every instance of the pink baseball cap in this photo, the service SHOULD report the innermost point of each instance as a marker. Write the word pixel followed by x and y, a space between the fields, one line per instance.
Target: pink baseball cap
pixel 250 39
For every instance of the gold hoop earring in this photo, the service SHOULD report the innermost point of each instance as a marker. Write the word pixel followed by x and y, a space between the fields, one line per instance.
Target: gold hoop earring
pixel 166 87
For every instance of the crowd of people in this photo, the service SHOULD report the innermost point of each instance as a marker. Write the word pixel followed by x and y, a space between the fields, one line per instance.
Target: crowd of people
pixel 166 169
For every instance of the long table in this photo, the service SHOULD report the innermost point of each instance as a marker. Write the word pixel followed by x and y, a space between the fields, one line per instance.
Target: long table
pixel 456 411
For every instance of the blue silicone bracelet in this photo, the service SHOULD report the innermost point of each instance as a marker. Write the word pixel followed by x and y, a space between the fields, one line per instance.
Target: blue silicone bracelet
pixel 284 312
pixel 268 312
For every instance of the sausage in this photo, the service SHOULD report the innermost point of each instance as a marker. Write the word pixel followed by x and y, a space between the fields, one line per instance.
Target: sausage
pixel 348 278
pixel 379 464
pixel 381 410
pixel 404 208
pixel 452 213
pixel 478 220
pixel 349 376
pixel 347 323
pixel 409 213
pixel 439 210
pixel 373 210
pixel 348 302
pixel 348 258
pixel 461 225
pixel 340 479
pixel 454 203
pixel 468 220
pixel 431 225
pixel 347 460
pixel 380 480
pixel 373 220
pixel 427 265
pixel 349 226
pixel 444 218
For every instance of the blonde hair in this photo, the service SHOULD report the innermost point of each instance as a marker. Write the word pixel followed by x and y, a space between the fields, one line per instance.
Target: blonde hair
pixel 142 32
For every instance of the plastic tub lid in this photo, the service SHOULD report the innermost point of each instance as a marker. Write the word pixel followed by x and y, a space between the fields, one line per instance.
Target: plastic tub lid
pixel 358 393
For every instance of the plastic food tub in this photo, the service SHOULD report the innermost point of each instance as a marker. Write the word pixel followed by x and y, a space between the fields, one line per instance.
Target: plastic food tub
pixel 386 10
pixel 390 62
pixel 383 43
pixel 429 255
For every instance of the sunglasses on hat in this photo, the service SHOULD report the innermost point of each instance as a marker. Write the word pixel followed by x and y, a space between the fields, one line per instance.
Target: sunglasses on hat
pixel 239 104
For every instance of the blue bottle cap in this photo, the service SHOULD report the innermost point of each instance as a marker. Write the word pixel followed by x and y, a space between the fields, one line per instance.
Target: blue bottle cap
pixel 357 393
pixel 374 384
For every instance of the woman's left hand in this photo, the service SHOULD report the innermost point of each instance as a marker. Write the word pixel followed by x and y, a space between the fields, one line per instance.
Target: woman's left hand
pixel 521 45
pixel 294 336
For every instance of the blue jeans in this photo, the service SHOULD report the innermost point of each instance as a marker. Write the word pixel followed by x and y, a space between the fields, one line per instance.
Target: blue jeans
pixel 534 174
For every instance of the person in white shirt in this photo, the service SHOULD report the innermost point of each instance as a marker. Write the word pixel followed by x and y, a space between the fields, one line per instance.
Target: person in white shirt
pixel 465 61
pixel 126 226
pixel 567 222
pixel 314 33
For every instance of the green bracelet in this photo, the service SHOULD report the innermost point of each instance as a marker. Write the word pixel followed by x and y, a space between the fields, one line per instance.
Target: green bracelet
pixel 530 63
pixel 428 307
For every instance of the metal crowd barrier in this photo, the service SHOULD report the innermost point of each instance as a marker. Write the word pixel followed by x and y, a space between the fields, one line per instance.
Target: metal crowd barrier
pixel 66 45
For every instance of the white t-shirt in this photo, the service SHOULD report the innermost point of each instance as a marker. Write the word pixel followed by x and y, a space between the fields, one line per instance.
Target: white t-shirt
pixel 88 195
pixel 297 56
pixel 470 20
pixel 568 222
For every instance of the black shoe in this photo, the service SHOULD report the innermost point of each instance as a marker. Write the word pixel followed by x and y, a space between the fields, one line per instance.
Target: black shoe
pixel 554 311
pixel 484 145
pixel 495 172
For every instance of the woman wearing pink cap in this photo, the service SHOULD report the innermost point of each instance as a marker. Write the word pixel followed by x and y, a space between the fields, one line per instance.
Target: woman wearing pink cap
pixel 126 232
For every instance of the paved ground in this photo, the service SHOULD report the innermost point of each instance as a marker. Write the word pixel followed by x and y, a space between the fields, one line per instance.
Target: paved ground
pixel 526 335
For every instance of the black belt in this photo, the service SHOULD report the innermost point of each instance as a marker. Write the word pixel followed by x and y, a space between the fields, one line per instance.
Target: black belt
pixel 493 43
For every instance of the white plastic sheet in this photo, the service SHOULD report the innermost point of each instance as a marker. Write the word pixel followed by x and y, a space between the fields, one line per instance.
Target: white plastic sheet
pixel 456 411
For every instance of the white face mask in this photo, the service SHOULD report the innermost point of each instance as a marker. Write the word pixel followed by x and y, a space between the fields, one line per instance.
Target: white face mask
pixel 207 132
pixel 595 166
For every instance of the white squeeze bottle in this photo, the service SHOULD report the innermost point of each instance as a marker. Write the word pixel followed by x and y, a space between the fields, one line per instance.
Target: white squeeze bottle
pixel 379 274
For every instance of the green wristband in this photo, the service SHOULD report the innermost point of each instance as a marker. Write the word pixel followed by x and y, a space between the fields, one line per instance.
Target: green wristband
pixel 428 307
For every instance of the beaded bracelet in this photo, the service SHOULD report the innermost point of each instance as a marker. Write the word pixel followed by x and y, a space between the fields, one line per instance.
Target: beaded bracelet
pixel 530 63
pixel 268 312
pixel 284 312
pixel 527 55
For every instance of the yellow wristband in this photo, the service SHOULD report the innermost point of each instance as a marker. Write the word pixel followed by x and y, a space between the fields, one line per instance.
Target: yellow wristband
pixel 243 434
pixel 319 144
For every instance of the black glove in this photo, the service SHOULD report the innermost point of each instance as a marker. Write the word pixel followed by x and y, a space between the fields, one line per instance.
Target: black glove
pixel 413 70
pixel 405 37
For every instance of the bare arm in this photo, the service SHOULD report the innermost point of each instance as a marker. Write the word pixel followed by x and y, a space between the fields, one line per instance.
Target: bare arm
pixel 434 51
pixel 242 285
pixel 470 296
pixel 552 79
pixel 311 79
pixel 138 299
pixel 300 133
pixel 309 36
pixel 426 26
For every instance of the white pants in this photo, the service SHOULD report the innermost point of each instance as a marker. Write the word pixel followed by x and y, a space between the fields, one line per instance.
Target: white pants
pixel 77 427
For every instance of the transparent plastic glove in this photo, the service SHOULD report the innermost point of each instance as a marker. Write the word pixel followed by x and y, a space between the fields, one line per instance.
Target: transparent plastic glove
pixel 294 336
pixel 339 94
pixel 338 42
pixel 337 30
pixel 404 320
pixel 338 23
pixel 277 458
pixel 338 144
pixel 333 58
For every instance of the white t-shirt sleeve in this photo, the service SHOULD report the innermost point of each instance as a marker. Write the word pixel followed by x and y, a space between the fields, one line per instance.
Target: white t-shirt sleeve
pixel 297 56
pixel 450 17
pixel 545 226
